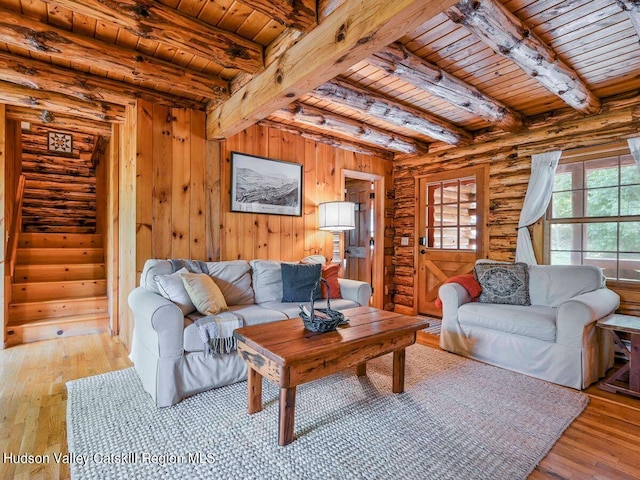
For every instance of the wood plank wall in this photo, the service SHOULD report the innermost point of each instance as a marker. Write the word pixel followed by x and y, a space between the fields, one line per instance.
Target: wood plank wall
pixel 9 175
pixel 509 161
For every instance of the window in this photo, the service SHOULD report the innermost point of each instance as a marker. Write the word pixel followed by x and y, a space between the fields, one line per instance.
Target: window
pixel 594 215
pixel 451 214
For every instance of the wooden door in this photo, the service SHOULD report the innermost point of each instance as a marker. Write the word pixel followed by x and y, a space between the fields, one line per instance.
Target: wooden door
pixel 357 241
pixel 452 208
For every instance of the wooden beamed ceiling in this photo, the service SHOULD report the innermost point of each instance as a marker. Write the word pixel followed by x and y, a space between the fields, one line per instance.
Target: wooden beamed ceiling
pixel 383 78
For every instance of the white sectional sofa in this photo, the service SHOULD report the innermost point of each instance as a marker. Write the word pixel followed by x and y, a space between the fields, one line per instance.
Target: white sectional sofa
pixel 555 338
pixel 167 351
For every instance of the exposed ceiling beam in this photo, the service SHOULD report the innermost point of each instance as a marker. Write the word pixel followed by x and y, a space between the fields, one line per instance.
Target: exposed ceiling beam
pixel 39 37
pixel 13 94
pixel 59 121
pixel 154 21
pixel 368 102
pixel 510 37
pixel 397 60
pixel 316 117
pixel 632 7
pixel 44 76
pixel 329 140
pixel 298 14
pixel 351 33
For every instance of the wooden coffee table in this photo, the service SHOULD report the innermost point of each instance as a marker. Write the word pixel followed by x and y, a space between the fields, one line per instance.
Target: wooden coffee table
pixel 288 355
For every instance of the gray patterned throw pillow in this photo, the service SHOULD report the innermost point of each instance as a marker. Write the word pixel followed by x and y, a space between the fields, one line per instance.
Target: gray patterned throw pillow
pixel 506 283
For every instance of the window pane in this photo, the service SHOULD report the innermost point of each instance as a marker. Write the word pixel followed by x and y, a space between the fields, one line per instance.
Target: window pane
pixel 450 192
pixel 468 238
pixel 433 234
pixel 566 204
pixel 561 258
pixel 629 267
pixel 434 194
pixel 607 261
pixel 601 237
pixel 602 172
pixel 467 213
pixel 566 236
pixel 630 200
pixel 602 202
pixel 568 177
pixel 450 238
pixel 630 237
pixel 629 171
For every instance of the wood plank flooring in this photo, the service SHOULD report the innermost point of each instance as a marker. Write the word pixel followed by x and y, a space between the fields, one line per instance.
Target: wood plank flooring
pixel 603 443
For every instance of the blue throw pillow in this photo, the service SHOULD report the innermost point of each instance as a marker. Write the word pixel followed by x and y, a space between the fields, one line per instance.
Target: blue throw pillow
pixel 298 281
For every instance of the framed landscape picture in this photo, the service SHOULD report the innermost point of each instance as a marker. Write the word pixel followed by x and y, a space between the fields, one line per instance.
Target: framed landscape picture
pixel 261 185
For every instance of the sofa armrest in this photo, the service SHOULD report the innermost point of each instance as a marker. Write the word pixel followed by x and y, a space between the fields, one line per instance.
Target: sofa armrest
pixel 575 314
pixel 355 291
pixel 159 323
pixel 452 295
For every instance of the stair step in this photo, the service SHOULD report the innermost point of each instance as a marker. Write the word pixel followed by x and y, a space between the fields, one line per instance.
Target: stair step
pixel 59 255
pixel 50 273
pixel 44 291
pixel 67 326
pixel 59 240
pixel 29 311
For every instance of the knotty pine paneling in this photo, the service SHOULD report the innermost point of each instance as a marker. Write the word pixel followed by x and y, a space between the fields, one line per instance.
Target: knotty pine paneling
pixel 509 165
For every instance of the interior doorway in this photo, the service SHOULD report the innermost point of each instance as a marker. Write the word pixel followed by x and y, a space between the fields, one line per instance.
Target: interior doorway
pixel 364 246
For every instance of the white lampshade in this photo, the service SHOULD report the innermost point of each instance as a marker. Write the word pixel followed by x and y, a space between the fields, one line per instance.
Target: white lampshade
pixel 337 216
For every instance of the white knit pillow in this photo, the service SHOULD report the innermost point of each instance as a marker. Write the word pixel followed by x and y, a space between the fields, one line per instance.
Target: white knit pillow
pixel 172 288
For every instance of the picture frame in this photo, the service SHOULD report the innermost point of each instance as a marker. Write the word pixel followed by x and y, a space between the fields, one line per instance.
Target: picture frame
pixel 264 185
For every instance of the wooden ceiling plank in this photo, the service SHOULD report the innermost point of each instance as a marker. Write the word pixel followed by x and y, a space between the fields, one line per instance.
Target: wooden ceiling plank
pixel 632 7
pixel 397 60
pixel 367 102
pixel 510 37
pixel 328 139
pixel 19 30
pixel 13 94
pixel 307 115
pixel 47 77
pixel 352 32
pixel 300 15
pixel 154 21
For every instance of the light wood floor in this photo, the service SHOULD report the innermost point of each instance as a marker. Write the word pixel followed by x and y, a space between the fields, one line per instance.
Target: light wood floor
pixel 603 443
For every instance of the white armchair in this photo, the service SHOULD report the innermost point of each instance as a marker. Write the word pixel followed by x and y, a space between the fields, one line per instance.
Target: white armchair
pixel 555 338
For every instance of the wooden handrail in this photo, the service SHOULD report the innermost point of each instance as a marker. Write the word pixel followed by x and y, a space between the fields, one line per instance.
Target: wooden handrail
pixel 16 221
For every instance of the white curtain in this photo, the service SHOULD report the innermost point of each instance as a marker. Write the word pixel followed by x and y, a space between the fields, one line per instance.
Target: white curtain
pixel 536 201
pixel 634 146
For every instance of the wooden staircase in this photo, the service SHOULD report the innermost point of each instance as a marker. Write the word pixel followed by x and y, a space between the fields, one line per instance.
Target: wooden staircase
pixel 59 287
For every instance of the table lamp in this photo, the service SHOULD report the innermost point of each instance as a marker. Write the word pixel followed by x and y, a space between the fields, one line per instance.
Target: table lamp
pixel 337 217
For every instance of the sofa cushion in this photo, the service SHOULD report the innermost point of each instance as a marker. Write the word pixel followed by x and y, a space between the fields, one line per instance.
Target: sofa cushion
pixel 172 288
pixel 298 281
pixel 550 285
pixel 292 310
pixel 204 293
pixel 252 314
pixel 153 267
pixel 503 283
pixel 330 272
pixel 529 321
pixel 267 280
pixel 234 280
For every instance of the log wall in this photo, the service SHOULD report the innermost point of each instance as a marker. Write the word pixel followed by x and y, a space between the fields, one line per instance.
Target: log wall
pixel 509 162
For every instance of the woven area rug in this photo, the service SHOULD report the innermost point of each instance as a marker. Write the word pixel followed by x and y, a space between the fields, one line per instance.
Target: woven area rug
pixel 458 419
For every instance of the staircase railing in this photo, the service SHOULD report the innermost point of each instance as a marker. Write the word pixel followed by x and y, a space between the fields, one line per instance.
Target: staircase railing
pixel 16 222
